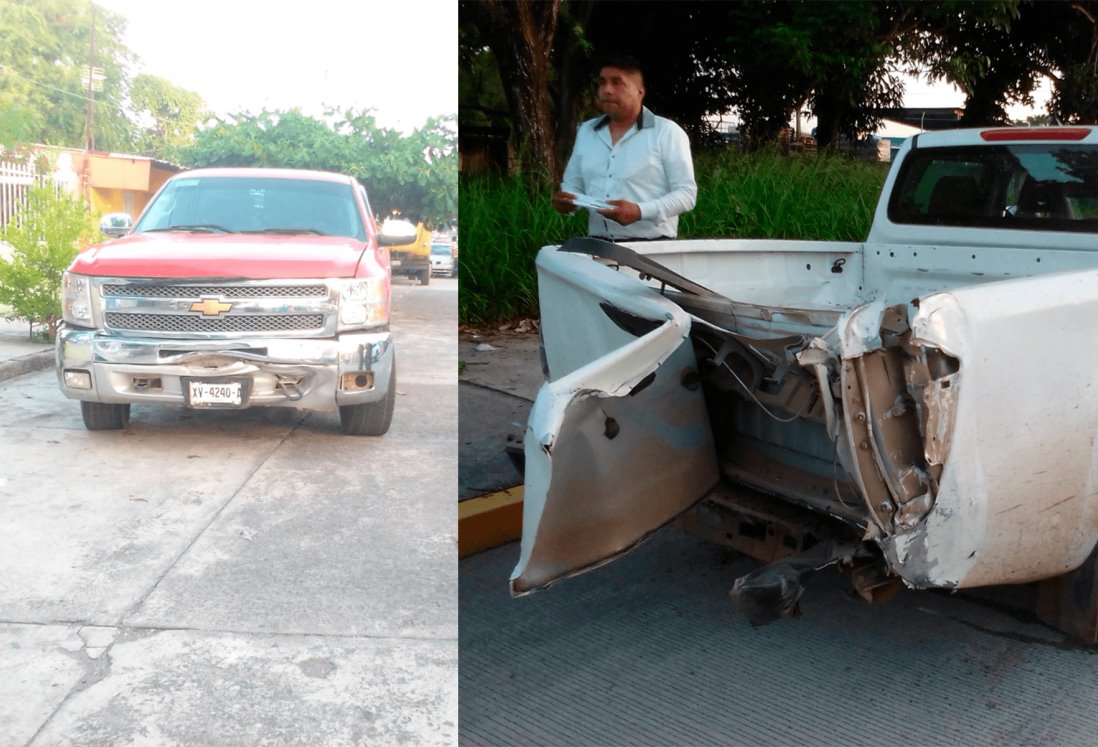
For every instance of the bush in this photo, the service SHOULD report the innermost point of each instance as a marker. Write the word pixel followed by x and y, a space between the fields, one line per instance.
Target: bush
pixel 45 236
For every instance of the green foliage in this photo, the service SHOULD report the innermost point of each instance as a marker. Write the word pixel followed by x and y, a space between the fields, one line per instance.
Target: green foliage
pixel 759 195
pixel 768 195
pixel 45 44
pixel 174 112
pixel 503 224
pixel 414 174
pixel 46 236
pixel 481 100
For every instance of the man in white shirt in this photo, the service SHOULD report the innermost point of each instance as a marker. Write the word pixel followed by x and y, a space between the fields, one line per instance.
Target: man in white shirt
pixel 630 168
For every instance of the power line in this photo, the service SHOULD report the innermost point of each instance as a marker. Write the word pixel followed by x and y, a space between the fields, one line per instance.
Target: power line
pixel 33 82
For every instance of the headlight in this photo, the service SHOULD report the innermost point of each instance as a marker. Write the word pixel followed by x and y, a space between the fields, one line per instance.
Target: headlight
pixel 76 304
pixel 363 303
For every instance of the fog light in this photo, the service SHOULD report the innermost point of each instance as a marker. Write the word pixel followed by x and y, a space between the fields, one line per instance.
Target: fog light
pixel 78 379
pixel 358 381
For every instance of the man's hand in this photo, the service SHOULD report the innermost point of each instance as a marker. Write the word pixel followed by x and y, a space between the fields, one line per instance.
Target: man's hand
pixel 562 203
pixel 623 212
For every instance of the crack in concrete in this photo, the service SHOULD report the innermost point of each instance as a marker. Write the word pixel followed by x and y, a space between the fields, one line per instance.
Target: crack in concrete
pixel 1059 645
pixel 144 630
pixel 487 388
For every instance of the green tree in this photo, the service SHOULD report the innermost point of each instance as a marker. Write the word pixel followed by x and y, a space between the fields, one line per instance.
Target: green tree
pixel 174 114
pixel 46 235
pixel 520 34
pixel 414 174
pixel 843 58
pixel 481 101
pixel 995 53
pixel 43 88
pixel 1074 56
pixel 767 58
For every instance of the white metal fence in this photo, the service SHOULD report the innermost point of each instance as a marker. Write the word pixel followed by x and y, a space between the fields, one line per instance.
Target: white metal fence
pixel 17 178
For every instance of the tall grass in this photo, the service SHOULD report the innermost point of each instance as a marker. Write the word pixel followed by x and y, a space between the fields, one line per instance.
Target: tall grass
pixel 504 223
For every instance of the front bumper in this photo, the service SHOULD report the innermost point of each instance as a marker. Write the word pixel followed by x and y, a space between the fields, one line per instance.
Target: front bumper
pixel 315 374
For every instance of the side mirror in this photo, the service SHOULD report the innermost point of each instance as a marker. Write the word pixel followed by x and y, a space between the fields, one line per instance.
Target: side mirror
pixel 115 224
pixel 396 232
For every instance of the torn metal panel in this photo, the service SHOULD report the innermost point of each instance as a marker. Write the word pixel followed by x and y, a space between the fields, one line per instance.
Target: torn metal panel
pixel 956 432
pixel 618 446
pixel 1002 401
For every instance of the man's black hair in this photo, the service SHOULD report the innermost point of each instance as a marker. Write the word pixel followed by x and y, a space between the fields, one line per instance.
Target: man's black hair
pixel 621 61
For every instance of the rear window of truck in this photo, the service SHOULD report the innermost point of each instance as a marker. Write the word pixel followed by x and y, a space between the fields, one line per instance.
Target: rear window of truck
pixel 1027 187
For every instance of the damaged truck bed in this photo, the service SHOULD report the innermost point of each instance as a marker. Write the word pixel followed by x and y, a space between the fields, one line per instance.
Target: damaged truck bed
pixel 919 409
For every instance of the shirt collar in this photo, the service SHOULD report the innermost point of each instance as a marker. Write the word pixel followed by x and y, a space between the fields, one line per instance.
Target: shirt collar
pixel 646 119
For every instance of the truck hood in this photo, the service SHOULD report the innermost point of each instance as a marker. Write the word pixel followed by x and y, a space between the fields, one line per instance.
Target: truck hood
pixel 194 255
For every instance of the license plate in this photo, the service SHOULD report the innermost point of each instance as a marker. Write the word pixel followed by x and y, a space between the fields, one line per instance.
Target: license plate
pixel 216 392
pixel 394 262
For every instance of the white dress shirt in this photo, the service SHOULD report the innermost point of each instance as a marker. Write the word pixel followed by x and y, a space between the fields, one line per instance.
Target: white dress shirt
pixel 650 165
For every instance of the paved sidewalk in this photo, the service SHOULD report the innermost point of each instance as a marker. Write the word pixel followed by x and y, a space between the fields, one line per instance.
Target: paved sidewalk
pixel 500 377
pixel 18 353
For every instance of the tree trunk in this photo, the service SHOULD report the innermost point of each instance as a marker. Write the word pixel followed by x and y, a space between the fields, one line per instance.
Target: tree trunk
pixel 828 118
pixel 572 79
pixel 521 37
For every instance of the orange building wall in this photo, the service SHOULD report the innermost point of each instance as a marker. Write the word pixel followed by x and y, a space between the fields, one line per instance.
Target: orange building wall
pixel 112 179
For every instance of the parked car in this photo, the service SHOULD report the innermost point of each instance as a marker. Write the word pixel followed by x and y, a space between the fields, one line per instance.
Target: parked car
pixel 442 258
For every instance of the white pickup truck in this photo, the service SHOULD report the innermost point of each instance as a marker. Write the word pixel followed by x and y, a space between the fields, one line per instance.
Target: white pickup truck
pixel 920 409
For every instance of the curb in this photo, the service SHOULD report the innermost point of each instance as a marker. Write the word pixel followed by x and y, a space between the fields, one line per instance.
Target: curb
pixel 9 369
pixel 489 521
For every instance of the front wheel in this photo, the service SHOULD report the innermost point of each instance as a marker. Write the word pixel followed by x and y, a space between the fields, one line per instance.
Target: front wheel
pixel 370 418
pixel 425 277
pixel 100 416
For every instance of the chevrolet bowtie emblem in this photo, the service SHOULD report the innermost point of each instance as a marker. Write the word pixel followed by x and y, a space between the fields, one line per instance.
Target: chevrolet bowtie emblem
pixel 211 307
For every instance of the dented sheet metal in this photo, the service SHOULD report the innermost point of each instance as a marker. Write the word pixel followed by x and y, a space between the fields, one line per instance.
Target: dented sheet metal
pixel 973 435
pixel 618 442
pixel 964 420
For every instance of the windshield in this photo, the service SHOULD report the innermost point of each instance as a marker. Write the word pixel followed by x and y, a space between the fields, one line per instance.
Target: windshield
pixel 440 249
pixel 1036 187
pixel 229 204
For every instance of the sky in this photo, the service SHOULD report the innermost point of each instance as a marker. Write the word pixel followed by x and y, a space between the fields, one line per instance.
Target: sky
pixel 919 93
pixel 398 57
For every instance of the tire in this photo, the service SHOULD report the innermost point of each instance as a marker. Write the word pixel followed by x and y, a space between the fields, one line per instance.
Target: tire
pixel 99 416
pixel 371 418
pixel 425 277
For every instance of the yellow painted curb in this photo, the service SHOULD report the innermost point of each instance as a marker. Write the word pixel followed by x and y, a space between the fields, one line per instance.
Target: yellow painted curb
pixel 489 521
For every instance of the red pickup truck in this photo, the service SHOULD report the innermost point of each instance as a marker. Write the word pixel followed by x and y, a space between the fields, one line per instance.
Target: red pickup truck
pixel 235 288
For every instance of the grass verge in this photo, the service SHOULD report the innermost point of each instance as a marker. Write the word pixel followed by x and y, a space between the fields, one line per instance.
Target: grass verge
pixel 504 222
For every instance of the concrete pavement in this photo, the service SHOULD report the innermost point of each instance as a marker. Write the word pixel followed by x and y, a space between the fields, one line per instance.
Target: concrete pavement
pixel 500 373
pixel 235 577
pixel 19 354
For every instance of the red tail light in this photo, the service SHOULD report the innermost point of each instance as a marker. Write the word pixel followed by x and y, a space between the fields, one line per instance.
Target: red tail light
pixel 1036 133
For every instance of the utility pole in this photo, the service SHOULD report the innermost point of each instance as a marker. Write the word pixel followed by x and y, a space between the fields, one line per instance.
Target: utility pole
pixel 89 118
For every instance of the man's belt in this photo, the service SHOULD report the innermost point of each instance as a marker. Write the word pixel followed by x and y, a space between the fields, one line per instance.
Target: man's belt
pixel 634 238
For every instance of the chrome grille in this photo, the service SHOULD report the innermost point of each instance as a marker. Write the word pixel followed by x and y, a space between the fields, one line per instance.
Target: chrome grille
pixel 139 290
pixel 196 324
